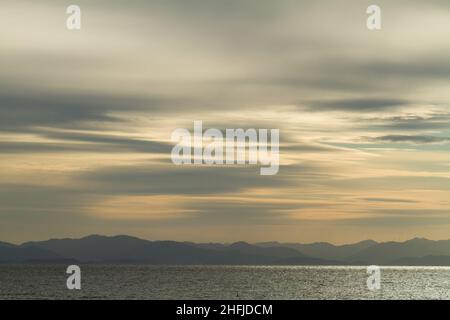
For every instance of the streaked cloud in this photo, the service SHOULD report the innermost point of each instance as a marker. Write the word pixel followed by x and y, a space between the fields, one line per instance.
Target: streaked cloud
pixel 86 118
pixel 412 139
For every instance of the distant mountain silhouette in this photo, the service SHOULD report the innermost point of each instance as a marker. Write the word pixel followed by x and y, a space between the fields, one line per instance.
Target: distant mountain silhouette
pixel 325 250
pixel 390 252
pixel 6 244
pixel 10 253
pixel 127 249
pixel 417 251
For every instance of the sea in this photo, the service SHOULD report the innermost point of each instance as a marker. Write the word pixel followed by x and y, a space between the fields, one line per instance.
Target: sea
pixel 223 282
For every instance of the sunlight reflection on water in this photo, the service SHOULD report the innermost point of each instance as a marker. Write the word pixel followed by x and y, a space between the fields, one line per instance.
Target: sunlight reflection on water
pixel 223 282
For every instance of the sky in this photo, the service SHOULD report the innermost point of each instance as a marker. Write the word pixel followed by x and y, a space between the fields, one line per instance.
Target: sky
pixel 86 118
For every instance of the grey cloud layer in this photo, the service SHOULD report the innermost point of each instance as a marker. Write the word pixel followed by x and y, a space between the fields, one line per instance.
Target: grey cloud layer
pixel 22 111
pixel 179 180
pixel 357 105
pixel 413 139
pixel 252 53
pixel 227 62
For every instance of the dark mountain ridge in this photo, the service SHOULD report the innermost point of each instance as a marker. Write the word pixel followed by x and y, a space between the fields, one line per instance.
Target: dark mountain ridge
pixel 325 250
pixel 10 253
pixel 127 249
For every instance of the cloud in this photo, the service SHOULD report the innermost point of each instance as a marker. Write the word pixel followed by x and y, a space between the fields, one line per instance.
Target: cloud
pixel 411 139
pixel 136 72
pixel 436 68
pixel 119 146
pixel 35 202
pixel 108 142
pixel 226 211
pixel 357 105
pixel 408 122
pixel 25 110
pixel 389 200
pixel 395 219
pixel 178 180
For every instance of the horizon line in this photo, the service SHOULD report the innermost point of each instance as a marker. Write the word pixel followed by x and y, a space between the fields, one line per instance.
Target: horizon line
pixel 220 242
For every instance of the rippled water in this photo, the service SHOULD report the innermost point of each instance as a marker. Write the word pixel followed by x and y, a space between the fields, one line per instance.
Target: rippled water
pixel 222 282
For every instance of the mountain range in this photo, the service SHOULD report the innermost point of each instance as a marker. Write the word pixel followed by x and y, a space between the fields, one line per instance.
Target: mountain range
pixel 127 249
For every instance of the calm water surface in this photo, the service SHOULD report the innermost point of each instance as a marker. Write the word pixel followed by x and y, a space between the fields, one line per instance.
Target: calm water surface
pixel 222 282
